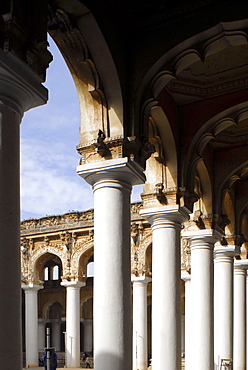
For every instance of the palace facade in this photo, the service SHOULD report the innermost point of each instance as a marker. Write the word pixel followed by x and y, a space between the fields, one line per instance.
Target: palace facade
pixel 163 98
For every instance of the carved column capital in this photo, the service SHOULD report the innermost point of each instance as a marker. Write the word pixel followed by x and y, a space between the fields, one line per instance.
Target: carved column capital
pixel 121 169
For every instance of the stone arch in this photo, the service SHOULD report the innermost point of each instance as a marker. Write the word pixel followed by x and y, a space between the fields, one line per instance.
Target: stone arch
pixel 228 209
pixel 40 260
pixel 244 232
pixel 78 41
pixel 203 189
pixel 192 63
pixel 53 309
pixel 161 167
pixel 87 308
pixel 145 252
pixel 80 258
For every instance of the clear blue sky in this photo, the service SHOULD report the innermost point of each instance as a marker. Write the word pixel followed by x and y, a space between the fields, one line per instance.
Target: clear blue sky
pixel 49 135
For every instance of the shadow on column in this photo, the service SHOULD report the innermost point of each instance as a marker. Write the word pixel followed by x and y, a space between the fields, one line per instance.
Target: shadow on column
pixel 109 361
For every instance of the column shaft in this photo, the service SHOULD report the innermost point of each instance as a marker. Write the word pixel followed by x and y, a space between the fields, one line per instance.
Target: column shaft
pixel 31 324
pixel 223 304
pixel 20 90
pixel 239 320
pixel 10 305
pixel 72 323
pixel 166 286
pixel 188 318
pixel 88 335
pixel 56 334
pixel 112 182
pixel 140 322
pixel 202 288
pixel 112 291
pixel 41 335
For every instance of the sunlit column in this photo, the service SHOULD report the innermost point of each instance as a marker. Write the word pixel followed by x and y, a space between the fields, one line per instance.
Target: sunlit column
pixel 223 303
pixel 187 335
pixel 140 322
pixel 31 323
pixel 202 288
pixel 72 342
pixel 166 285
pixel 239 315
pixel 112 182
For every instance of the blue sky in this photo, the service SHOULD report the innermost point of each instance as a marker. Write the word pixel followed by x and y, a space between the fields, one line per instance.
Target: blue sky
pixel 49 135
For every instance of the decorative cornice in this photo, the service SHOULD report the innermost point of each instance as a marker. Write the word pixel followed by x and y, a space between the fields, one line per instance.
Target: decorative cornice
pixel 198 91
pixel 67 220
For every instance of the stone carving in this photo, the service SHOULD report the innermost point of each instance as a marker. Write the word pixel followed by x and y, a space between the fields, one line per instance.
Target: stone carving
pixel 52 221
pixel 185 255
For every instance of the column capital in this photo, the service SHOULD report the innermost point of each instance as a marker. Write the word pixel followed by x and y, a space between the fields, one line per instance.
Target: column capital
pixel 141 279
pixel 241 264
pixel 20 87
pixel 33 287
pixel 121 169
pixel 186 277
pixel 72 284
pixel 202 236
pixel 227 251
pixel 161 215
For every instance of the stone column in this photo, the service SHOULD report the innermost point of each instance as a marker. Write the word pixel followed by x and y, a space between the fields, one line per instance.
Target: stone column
pixel 166 285
pixel 31 323
pixel 140 322
pixel 112 182
pixel 223 303
pixel 88 335
pixel 187 336
pixel 202 288
pixel 72 341
pixel 41 335
pixel 20 89
pixel 239 315
pixel 56 335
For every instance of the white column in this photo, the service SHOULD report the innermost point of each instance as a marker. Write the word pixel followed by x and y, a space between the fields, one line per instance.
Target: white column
pixel 202 288
pixel 20 89
pixel 31 323
pixel 88 335
pixel 140 322
pixel 56 335
pixel 239 319
pixel 112 182
pixel 41 335
pixel 166 285
pixel 223 303
pixel 187 336
pixel 72 342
